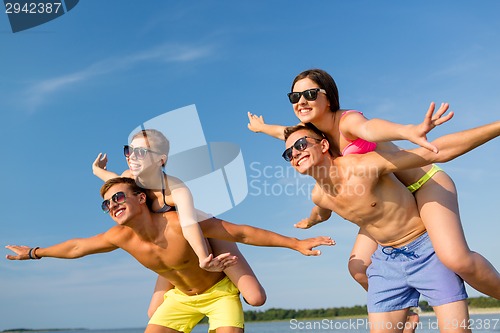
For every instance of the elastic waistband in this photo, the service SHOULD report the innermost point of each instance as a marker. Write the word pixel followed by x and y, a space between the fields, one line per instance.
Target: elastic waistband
pixel 407 250
pixel 223 280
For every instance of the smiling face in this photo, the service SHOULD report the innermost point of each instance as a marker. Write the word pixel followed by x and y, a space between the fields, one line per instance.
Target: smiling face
pixel 126 208
pixel 310 111
pixel 152 161
pixel 307 150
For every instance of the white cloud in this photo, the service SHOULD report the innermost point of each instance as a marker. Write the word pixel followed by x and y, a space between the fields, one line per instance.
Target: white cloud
pixel 39 92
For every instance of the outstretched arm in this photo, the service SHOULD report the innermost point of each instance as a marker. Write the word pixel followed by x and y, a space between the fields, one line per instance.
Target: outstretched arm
pixel 70 249
pixel 318 215
pixel 354 125
pixel 215 228
pixel 456 144
pixel 256 124
pixel 450 146
pixel 99 168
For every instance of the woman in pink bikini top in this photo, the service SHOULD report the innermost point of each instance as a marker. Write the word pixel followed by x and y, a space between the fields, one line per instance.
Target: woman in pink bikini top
pixel 358 146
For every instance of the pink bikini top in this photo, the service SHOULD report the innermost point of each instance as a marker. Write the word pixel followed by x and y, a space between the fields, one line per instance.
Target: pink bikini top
pixel 358 146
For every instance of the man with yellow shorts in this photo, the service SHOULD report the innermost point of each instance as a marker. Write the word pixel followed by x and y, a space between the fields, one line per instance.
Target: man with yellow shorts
pixel 157 242
pixel 181 312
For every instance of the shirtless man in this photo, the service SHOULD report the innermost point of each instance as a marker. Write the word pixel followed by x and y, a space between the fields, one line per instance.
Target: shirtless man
pixel 363 190
pixel 157 242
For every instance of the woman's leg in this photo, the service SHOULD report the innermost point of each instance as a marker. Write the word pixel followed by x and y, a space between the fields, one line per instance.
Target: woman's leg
pixel 438 205
pixel 241 274
pixel 360 257
pixel 412 322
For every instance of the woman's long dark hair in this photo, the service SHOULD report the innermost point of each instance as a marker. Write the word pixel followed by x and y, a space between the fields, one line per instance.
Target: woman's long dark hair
pixel 324 81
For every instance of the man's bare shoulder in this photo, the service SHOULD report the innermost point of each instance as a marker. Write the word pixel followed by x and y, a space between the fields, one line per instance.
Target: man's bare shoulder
pixel 317 194
pixel 356 164
pixel 351 159
pixel 171 218
pixel 118 234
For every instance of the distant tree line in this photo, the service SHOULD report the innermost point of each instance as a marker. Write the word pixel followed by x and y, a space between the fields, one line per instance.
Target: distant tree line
pixel 357 310
pixel 476 302
pixel 284 314
pixel 484 302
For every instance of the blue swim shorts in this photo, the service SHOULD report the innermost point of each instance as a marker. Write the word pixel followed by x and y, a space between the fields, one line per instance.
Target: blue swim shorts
pixel 398 276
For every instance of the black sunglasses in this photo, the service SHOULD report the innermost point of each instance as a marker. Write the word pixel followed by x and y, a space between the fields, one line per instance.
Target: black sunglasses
pixel 139 152
pixel 309 94
pixel 119 198
pixel 300 145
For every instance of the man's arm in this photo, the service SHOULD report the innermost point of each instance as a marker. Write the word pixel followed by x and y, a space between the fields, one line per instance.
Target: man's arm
pixel 70 249
pixel 215 228
pixel 456 144
pixel 450 146
pixel 318 215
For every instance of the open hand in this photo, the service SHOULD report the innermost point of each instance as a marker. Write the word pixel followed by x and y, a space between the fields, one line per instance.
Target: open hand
pixel 255 122
pixel 418 133
pixel 306 245
pixel 219 263
pixel 100 162
pixel 304 224
pixel 22 252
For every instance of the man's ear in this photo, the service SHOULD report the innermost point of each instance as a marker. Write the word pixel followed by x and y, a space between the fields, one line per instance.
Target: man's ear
pixel 142 197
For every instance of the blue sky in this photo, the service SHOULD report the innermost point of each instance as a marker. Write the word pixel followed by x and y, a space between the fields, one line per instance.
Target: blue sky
pixel 78 85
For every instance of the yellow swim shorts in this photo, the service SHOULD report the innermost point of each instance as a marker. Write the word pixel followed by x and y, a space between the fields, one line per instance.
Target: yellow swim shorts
pixel 415 186
pixel 221 304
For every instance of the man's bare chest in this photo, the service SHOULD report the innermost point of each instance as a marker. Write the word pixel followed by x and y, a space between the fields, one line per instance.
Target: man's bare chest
pixel 355 200
pixel 169 254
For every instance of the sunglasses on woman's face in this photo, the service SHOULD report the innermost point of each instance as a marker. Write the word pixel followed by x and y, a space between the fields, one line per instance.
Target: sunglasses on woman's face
pixel 309 94
pixel 300 145
pixel 118 197
pixel 139 152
